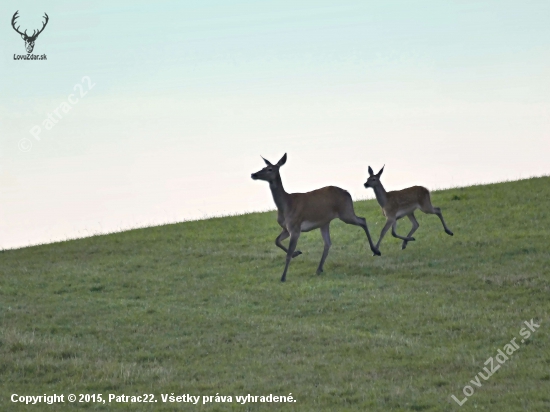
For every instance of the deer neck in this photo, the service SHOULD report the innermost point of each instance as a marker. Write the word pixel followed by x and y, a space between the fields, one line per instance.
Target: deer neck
pixel 279 195
pixel 381 195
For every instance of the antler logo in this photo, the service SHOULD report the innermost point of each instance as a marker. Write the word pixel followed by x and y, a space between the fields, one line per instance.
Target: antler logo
pixel 29 40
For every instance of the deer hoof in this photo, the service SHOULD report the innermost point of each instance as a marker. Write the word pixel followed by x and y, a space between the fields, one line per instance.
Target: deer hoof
pixel 297 253
pixel 404 245
pixel 376 253
pixel 411 239
pixel 449 233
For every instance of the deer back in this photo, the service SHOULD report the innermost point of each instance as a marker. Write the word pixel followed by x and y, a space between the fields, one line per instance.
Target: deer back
pixel 406 200
pixel 321 205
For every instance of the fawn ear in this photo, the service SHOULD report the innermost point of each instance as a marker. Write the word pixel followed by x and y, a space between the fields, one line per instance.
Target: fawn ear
pixel 267 162
pixel 282 161
pixel 380 172
pixel 370 171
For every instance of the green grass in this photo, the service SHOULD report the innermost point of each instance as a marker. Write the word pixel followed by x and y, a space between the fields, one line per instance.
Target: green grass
pixel 197 308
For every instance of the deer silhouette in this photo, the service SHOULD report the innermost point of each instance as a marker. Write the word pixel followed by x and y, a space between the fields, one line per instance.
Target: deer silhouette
pixel 29 40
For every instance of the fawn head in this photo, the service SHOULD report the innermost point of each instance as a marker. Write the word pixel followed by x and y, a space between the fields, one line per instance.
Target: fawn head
pixel 270 172
pixel 374 179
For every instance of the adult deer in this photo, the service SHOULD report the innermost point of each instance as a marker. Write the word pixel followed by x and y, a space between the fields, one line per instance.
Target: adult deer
pixel 401 203
pixel 302 212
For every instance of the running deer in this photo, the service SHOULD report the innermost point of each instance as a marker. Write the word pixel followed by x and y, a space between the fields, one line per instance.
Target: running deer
pixel 302 212
pixel 401 203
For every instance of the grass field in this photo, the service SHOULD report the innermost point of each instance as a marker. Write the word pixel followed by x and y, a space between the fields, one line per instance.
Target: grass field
pixel 197 308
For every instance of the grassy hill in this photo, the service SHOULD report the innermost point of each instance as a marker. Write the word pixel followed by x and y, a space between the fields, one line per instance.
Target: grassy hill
pixel 197 308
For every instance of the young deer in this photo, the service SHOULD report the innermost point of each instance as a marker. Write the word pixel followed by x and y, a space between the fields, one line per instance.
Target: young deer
pixel 302 212
pixel 401 203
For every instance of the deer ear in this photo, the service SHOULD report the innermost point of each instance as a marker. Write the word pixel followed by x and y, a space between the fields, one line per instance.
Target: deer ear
pixel 370 171
pixel 380 172
pixel 282 161
pixel 267 162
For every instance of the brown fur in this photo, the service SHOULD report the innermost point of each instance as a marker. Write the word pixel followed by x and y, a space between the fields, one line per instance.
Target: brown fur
pixel 302 212
pixel 417 197
pixel 399 203
pixel 318 206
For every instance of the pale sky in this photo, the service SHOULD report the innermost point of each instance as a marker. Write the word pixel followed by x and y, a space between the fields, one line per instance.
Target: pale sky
pixel 187 95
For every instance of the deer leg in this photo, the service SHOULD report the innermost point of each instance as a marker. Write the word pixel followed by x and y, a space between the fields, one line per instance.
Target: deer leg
pixel 325 232
pixel 284 234
pixel 394 233
pixel 415 226
pixel 386 227
pixel 373 248
pixel 427 207
pixel 360 221
pixel 347 215
pixel 437 211
pixel 294 235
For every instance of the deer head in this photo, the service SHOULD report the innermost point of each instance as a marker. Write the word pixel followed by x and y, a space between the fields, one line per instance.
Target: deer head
pixel 271 172
pixel 374 179
pixel 29 40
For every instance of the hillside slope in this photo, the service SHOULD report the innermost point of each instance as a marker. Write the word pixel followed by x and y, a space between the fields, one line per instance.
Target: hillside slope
pixel 197 308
